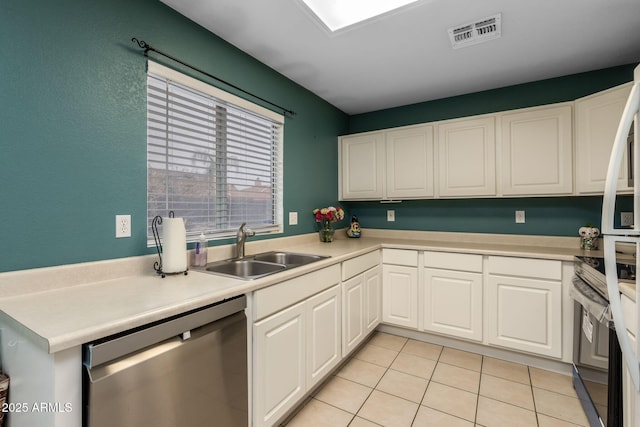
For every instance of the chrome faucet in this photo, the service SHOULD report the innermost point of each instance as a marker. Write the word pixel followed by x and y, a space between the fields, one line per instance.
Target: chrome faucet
pixel 241 237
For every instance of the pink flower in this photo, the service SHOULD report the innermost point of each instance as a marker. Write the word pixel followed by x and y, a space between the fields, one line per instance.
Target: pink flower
pixel 333 214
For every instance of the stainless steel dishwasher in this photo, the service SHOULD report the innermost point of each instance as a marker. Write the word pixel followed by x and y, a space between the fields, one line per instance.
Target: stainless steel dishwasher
pixel 187 371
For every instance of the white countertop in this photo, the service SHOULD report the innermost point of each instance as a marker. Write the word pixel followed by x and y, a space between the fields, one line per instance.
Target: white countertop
pixel 66 306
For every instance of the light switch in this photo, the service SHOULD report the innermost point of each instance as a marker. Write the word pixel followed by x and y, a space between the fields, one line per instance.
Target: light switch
pixel 391 216
pixel 519 217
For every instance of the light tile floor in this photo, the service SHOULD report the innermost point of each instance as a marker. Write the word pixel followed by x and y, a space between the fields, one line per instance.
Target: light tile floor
pixel 395 381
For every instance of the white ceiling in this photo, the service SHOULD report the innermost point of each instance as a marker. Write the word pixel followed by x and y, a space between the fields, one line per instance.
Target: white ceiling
pixel 406 57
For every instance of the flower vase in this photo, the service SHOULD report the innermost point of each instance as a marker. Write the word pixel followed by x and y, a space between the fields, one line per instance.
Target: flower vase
pixel 326 232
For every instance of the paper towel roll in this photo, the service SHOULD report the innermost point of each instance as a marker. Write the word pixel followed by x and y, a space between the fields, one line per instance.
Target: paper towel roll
pixel 174 245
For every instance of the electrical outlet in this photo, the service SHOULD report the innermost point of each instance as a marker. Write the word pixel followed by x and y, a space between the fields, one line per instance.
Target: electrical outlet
pixel 123 226
pixel 626 219
pixel 391 216
pixel 519 217
pixel 293 218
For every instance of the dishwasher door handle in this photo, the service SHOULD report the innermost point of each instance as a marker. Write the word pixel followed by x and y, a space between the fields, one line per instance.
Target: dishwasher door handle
pixel 122 344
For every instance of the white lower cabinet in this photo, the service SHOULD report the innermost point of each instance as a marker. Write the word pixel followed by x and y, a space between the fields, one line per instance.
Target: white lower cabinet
pixel 452 298
pixel 296 341
pixel 524 305
pixel 280 364
pixel 353 316
pixel 304 327
pixel 361 299
pixel 323 315
pixel 400 287
pixel 373 299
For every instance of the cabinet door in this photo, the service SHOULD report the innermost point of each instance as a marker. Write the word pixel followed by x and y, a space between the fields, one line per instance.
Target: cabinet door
pixel 597 117
pixel 353 291
pixel 373 299
pixel 525 314
pixel 362 167
pixel 410 163
pixel 279 361
pixel 466 158
pixel 324 324
pixel 452 303
pixel 400 295
pixel 537 152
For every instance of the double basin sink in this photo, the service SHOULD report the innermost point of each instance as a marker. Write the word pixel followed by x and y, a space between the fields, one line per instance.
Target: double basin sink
pixel 255 266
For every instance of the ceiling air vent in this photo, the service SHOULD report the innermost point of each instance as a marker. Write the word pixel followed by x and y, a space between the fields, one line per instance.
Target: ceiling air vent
pixel 476 32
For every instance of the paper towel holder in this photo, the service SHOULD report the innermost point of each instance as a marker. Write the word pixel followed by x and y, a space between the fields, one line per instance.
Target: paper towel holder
pixel 157 266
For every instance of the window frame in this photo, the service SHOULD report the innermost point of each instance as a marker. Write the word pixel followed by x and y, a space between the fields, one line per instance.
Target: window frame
pixel 158 71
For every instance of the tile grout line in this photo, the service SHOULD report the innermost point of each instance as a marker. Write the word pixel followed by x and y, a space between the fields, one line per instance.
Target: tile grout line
pixel 429 380
pixel 533 396
pixel 368 342
pixel 475 418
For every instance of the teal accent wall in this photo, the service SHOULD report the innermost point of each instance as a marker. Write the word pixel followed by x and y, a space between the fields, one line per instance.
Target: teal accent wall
pixel 556 216
pixel 73 125
pixel 561 89
pixel 73 133
pixel 551 216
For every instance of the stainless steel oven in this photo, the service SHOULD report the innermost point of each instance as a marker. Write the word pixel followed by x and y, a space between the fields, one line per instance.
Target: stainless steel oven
pixel 597 359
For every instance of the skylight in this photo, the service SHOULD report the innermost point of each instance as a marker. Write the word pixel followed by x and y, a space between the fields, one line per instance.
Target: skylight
pixel 338 14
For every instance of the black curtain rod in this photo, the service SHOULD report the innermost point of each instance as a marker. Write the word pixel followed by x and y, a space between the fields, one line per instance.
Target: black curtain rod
pixel 143 45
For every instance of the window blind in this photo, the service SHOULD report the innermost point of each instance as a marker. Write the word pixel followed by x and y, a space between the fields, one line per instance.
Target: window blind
pixel 213 158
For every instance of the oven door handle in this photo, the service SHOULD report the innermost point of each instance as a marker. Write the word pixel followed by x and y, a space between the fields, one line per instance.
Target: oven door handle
pixel 615 302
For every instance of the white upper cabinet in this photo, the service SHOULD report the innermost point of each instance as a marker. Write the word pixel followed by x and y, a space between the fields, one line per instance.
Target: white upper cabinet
pixel 387 164
pixel 466 157
pixel 517 153
pixel 596 122
pixel 361 166
pixel 409 163
pixel 537 150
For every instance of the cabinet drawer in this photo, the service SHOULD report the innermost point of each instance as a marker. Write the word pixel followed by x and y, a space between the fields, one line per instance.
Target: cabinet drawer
pixel 453 261
pixel 276 297
pixel 526 267
pixel 355 266
pixel 400 257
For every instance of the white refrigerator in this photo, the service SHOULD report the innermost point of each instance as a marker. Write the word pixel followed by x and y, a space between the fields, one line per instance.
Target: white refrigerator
pixel 624 146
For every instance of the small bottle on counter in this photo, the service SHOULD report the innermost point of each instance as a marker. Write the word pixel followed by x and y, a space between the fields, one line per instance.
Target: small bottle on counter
pixel 201 251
